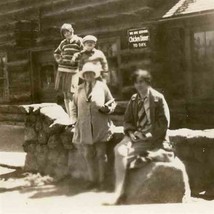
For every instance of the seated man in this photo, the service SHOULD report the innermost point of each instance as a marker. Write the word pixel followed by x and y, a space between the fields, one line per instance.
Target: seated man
pixel 146 121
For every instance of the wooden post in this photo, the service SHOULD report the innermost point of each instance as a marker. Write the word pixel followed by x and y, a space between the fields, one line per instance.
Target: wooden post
pixel 188 60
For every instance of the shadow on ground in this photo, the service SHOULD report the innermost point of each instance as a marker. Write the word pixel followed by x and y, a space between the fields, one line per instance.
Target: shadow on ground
pixel 36 186
pixel 41 186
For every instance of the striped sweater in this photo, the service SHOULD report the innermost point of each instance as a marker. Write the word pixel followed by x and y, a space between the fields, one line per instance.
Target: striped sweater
pixel 64 53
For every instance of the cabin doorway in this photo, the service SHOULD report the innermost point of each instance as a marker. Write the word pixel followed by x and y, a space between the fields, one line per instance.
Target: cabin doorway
pixel 43 72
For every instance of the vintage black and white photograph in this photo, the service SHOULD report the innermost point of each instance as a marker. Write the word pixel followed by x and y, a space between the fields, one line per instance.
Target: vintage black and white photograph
pixel 106 106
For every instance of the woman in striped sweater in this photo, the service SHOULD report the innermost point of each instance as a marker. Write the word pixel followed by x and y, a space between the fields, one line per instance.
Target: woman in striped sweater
pixel 67 77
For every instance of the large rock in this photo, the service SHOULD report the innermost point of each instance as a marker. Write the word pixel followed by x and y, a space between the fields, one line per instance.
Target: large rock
pixel 31 163
pixel 157 182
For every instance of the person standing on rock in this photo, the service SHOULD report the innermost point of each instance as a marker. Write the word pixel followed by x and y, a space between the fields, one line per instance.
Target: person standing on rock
pixel 91 54
pixel 92 104
pixel 67 76
pixel 146 121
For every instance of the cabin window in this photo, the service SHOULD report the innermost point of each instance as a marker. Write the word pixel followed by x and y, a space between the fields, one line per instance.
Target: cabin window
pixel 204 46
pixel 203 63
pixel 26 33
pixel 4 82
pixel 47 76
pixel 43 71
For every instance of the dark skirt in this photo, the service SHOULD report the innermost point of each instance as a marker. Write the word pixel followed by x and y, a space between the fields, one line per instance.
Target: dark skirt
pixel 66 82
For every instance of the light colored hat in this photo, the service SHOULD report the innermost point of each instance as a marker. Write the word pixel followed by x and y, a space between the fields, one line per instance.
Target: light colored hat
pixel 89 66
pixel 89 38
pixel 66 27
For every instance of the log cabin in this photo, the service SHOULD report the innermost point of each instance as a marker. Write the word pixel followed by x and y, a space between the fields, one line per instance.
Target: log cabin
pixel 172 38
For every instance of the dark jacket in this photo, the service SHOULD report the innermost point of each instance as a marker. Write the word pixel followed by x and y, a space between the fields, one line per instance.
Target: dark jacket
pixel 159 114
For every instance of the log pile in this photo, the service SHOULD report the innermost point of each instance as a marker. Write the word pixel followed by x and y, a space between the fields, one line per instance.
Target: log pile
pixel 49 144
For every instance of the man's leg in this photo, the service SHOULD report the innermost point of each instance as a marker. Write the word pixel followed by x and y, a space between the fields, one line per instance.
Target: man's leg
pixel 121 164
pixel 101 162
pixel 125 152
pixel 74 82
pixel 89 156
pixel 68 96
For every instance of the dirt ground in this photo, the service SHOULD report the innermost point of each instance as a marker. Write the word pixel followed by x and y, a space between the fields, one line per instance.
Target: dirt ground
pixel 31 193
pixel 24 193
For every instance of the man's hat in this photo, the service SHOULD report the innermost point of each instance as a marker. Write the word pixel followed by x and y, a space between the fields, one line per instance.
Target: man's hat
pixel 66 27
pixel 90 67
pixel 89 38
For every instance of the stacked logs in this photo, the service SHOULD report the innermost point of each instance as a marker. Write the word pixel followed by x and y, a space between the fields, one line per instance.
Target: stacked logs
pixel 48 143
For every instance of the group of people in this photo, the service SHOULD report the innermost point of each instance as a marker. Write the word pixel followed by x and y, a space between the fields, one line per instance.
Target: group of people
pixel 81 76
pixel 89 102
pixel 71 55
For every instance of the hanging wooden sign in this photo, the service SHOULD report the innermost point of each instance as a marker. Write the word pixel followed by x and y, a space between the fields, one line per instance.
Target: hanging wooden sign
pixel 138 38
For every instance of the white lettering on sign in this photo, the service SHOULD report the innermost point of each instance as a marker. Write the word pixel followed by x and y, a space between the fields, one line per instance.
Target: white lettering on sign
pixel 138 38
pixel 143 44
pixel 143 31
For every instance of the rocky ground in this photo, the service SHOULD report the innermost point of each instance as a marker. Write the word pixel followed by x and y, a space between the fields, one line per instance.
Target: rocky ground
pixel 22 192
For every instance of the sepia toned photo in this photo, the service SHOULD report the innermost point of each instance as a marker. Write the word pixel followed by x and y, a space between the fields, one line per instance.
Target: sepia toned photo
pixel 106 106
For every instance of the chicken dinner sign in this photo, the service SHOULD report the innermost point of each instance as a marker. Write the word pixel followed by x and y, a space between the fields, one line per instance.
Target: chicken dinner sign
pixel 138 38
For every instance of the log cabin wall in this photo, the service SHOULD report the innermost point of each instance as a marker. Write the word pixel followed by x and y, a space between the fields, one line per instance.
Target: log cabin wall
pixel 27 67
pixel 109 20
pixel 184 70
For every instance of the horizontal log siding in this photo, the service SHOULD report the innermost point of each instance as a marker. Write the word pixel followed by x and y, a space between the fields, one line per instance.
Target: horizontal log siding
pixel 104 19
pixel 19 63
pixel 54 13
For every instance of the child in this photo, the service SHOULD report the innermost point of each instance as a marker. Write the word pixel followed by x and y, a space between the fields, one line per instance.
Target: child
pixel 67 77
pixel 90 113
pixel 91 54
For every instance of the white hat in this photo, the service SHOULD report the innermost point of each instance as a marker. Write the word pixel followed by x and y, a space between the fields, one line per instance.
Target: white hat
pixel 66 27
pixel 90 67
pixel 89 38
